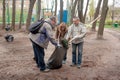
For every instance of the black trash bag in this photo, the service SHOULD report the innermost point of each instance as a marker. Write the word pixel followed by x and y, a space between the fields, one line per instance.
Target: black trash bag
pixel 7 28
pixel 55 60
pixel 9 38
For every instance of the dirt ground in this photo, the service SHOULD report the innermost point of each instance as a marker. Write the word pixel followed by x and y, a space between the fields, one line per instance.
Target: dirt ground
pixel 101 59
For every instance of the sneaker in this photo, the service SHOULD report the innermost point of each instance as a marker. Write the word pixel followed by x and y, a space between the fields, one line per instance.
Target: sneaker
pixel 78 66
pixel 63 61
pixel 45 70
pixel 73 65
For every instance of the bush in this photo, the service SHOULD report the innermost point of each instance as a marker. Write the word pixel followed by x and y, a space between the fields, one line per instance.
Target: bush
pixel 108 22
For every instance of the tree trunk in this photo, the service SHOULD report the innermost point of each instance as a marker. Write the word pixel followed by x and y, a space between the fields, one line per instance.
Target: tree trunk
pixel 4 18
pixel 38 9
pixel 86 11
pixel 13 15
pixel 96 15
pixel 91 9
pixel 80 10
pixel 73 10
pixel 69 11
pixel 28 21
pixel 102 20
pixel 61 10
pixel 55 7
pixel 113 7
pixel 21 14
pixel 8 13
pixel 52 6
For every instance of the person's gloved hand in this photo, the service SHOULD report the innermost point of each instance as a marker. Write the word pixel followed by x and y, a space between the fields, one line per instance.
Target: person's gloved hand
pixel 59 45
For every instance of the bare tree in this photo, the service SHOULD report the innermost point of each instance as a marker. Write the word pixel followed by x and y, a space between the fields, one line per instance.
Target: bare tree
pixel 13 15
pixel 73 10
pixel 61 10
pixel 21 14
pixel 113 6
pixel 52 6
pixel 38 9
pixel 84 17
pixel 80 10
pixel 55 7
pixel 28 21
pixel 96 15
pixel 4 20
pixel 102 20
pixel 91 9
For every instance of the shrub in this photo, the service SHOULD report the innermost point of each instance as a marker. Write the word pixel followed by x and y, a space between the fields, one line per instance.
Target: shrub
pixel 108 22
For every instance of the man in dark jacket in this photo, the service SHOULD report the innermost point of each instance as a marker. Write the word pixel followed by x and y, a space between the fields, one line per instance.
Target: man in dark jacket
pixel 41 40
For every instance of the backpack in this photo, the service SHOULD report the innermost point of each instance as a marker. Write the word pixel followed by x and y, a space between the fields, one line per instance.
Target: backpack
pixel 35 27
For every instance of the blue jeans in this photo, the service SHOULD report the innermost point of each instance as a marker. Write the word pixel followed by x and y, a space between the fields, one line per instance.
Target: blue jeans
pixel 74 55
pixel 39 56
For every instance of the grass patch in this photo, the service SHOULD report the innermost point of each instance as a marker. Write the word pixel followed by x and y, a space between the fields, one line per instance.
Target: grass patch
pixel 108 26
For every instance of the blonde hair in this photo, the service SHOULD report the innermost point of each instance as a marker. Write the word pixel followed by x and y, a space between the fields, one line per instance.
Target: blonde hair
pixel 60 32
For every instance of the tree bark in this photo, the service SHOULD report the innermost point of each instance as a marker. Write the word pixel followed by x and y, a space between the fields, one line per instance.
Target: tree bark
pixel 13 15
pixel 61 10
pixel 52 6
pixel 21 14
pixel 28 21
pixel 73 10
pixel 96 15
pixel 38 9
pixel 102 20
pixel 4 18
pixel 80 10
pixel 91 9
pixel 84 17
pixel 55 7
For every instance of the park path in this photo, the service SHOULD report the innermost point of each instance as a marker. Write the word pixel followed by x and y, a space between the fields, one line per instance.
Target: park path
pixel 101 59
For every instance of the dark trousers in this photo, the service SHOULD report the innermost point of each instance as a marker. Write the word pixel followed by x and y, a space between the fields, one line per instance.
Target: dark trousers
pixel 65 56
pixel 39 55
